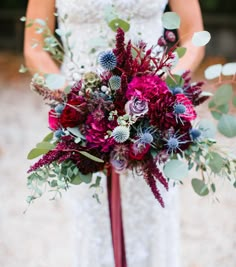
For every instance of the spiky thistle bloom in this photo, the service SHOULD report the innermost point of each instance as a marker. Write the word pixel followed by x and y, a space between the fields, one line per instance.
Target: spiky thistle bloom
pixel 195 134
pixel 121 134
pixel 107 60
pixel 115 82
pixel 177 141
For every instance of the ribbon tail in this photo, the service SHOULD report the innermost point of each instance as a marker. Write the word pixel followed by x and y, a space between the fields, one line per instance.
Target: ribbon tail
pixel 114 198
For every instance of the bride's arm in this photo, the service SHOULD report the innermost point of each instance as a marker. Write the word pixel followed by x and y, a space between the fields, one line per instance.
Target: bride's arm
pixel 191 21
pixel 36 59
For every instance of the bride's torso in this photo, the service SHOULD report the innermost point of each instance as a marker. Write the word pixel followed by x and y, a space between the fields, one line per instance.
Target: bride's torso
pixel 86 20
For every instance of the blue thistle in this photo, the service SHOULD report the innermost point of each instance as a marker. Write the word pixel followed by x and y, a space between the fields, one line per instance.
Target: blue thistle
pixel 115 82
pixel 177 90
pixel 107 60
pixel 58 133
pixel 179 108
pixel 59 108
pixel 121 134
pixel 174 143
pixel 195 133
pixel 146 138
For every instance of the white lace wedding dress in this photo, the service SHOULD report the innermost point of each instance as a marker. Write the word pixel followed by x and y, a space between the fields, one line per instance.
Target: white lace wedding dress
pixel 151 232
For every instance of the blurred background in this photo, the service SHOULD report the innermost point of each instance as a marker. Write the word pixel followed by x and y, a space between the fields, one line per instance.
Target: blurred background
pixel 42 237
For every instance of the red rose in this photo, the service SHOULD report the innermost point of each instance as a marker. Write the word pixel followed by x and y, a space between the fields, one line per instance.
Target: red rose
pixel 53 120
pixel 74 113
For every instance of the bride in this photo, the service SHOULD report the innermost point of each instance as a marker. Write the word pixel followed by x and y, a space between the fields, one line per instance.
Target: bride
pixel 151 233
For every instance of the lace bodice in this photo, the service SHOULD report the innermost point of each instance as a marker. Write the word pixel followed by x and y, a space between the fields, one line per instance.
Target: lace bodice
pixel 151 233
pixel 87 23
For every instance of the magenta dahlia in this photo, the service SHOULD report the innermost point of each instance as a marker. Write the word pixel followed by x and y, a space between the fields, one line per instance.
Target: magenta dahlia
pixel 147 87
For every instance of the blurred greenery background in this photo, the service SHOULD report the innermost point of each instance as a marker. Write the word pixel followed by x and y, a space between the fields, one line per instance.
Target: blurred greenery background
pixel 218 16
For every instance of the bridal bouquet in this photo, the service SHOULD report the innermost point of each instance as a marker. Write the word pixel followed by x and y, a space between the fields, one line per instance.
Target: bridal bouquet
pixel 132 113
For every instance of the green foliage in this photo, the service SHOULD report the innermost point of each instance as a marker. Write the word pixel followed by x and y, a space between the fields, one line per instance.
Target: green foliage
pixel 170 20
pixel 176 169
pixel 42 147
pixel 227 125
pixel 180 51
pixel 175 81
pixel 86 154
pixel 201 38
pixel 119 23
pixel 55 178
pixel 55 81
pixel 200 187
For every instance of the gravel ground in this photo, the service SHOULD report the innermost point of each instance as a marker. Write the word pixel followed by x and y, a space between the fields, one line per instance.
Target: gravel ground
pixel 43 236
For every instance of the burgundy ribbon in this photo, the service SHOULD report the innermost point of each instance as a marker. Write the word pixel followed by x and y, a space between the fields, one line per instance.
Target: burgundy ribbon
pixel 113 188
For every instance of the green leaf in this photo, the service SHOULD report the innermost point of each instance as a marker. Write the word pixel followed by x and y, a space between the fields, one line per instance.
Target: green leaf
pixel 45 145
pixel 67 89
pixel 119 23
pixel 40 22
pixel 23 69
pixel 207 128
pixel 170 20
pixel 48 137
pixel 174 81
pixel 176 169
pixel 201 38
pixel 223 108
pixel 216 162
pixel 180 51
pixel 55 81
pixel 86 154
pixel 229 69
pixel 213 188
pixel 86 178
pixel 36 152
pixel 213 71
pixel 227 125
pixel 216 115
pixel 234 101
pixel 223 95
pixel 200 187
pixel 75 131
pixel 76 180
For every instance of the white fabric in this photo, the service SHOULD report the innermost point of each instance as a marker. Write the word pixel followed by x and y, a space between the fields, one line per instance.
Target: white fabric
pixel 151 233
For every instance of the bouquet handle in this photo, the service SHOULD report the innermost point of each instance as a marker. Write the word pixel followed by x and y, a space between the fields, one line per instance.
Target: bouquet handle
pixel 114 199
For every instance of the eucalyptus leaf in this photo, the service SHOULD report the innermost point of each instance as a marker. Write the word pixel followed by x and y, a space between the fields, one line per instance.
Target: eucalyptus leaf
pixel 55 81
pixel 200 187
pixel 213 71
pixel 216 162
pixel 180 51
pixel 76 180
pixel 119 23
pixel 40 22
pixel 201 38
pixel 48 137
pixel 207 128
pixel 36 152
pixel 170 20
pixel 45 145
pixel 216 115
pixel 229 69
pixel 223 95
pixel 176 169
pixel 227 125
pixel 86 178
pixel 88 155
pixel 75 131
pixel 174 81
